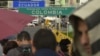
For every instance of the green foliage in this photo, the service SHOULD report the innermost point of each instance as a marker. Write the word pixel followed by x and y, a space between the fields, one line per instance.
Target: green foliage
pixel 70 34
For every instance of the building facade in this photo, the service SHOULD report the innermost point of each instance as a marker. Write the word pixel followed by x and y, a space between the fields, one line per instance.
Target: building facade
pixel 61 3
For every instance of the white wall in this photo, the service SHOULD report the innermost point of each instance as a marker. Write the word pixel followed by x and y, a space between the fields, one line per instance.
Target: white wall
pixel 83 1
pixel 10 4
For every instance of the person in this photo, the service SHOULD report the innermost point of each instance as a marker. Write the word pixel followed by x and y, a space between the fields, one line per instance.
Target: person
pixel 59 51
pixel 3 42
pixel 81 39
pixel 1 50
pixel 8 46
pixel 64 46
pixel 24 43
pixel 45 43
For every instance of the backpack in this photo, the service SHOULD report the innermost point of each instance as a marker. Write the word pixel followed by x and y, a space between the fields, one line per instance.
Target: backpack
pixel 25 50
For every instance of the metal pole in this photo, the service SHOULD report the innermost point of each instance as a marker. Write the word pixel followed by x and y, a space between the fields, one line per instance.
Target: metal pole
pixel 59 22
pixel 67 25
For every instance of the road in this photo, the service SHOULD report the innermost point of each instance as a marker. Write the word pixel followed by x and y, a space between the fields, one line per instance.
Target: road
pixel 32 30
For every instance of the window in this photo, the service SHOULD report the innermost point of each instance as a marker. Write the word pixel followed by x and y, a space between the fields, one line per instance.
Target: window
pixel 78 1
pixel 3 4
pixel 52 1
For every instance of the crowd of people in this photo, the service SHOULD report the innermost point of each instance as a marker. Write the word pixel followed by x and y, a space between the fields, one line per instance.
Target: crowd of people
pixel 43 44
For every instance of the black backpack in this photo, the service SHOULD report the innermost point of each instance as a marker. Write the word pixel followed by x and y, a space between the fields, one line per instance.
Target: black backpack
pixel 25 50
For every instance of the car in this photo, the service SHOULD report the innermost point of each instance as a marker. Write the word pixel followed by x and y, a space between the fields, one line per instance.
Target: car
pixel 35 21
pixel 31 25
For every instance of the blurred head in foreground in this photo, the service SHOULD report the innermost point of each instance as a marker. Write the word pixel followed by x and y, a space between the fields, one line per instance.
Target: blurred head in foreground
pixel 81 38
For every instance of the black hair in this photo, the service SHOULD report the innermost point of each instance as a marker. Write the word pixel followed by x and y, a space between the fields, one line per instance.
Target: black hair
pixel 24 35
pixel 44 38
pixel 75 20
pixel 63 44
pixel 3 41
pixel 9 45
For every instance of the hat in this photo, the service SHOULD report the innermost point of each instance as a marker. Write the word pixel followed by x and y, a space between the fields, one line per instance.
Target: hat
pixel 89 12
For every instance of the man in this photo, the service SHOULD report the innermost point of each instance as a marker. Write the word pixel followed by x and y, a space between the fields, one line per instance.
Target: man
pixel 24 42
pixel 81 38
pixel 45 43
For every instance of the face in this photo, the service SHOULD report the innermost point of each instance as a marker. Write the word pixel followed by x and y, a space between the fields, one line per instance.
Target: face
pixel 24 42
pixel 33 48
pixel 83 37
pixel 58 48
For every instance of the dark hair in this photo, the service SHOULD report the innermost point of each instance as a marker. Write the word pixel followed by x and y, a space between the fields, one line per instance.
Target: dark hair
pixel 63 44
pixel 3 42
pixel 44 38
pixel 24 35
pixel 9 45
pixel 75 20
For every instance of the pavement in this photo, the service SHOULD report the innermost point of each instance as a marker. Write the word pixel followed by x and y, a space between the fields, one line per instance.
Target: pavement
pixel 33 30
pixel 30 30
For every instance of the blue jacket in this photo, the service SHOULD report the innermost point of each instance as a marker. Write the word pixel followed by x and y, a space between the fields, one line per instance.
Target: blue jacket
pixel 45 52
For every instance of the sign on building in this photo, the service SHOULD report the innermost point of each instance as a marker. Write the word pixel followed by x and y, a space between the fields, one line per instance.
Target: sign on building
pixel 27 4
pixel 47 10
